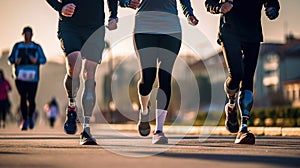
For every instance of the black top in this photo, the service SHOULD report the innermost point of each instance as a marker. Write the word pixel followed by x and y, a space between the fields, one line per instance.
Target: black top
pixel 244 20
pixel 87 12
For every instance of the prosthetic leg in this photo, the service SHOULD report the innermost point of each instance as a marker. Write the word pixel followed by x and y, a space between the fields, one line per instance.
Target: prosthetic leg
pixel 71 86
pixel 231 122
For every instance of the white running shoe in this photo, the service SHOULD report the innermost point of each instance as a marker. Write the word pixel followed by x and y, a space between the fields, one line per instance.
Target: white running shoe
pixel 159 138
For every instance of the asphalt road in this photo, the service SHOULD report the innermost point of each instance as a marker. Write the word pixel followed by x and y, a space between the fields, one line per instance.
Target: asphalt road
pixel 45 147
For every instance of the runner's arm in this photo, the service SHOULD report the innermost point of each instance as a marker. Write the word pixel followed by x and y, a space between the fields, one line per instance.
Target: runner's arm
pixel 213 6
pixel 187 8
pixel 113 8
pixel 55 4
pixel 13 55
pixel 41 56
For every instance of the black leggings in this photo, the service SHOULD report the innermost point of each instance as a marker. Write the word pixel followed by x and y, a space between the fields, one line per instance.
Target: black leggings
pixel 27 92
pixel 241 60
pixel 153 48
pixel 4 109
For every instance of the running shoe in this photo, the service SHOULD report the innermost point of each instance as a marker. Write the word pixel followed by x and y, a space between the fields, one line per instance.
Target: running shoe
pixel 31 123
pixel 24 125
pixel 70 125
pixel 143 124
pixel 245 137
pixel 159 138
pixel 86 137
pixel 231 121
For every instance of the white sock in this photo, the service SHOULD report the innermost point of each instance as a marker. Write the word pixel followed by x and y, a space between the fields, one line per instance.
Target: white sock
pixel 160 119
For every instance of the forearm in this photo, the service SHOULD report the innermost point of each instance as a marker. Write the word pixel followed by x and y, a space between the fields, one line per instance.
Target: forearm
pixel 113 8
pixel 124 3
pixel 213 6
pixel 55 5
pixel 12 57
pixel 41 56
pixel 187 7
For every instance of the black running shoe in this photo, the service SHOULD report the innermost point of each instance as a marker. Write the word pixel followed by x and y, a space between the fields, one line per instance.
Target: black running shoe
pixel 31 123
pixel 143 124
pixel 24 125
pixel 245 137
pixel 70 125
pixel 86 138
pixel 231 121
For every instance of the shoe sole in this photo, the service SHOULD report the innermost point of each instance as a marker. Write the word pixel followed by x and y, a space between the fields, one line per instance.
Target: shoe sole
pixel 247 140
pixel 144 128
pixel 88 142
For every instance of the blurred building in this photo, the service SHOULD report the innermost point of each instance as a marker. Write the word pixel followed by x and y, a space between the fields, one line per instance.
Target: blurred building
pixel 278 72
pixel 291 90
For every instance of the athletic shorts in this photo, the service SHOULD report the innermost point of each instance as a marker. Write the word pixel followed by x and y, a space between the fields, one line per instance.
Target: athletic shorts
pixel 89 41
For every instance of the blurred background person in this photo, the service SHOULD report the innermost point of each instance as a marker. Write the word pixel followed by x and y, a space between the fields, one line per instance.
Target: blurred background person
pixel 52 111
pixel 4 99
pixel 26 58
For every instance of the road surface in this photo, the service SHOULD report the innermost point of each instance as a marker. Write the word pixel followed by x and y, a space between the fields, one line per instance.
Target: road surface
pixel 46 147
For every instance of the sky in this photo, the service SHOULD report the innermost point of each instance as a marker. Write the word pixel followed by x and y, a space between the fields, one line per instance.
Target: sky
pixel 16 14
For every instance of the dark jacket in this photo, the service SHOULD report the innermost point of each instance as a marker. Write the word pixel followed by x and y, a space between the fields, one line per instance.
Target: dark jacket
pixel 26 67
pixel 88 13
pixel 244 20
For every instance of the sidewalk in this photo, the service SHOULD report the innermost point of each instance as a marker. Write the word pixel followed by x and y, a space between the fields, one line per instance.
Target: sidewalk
pixel 218 130
pixel 191 130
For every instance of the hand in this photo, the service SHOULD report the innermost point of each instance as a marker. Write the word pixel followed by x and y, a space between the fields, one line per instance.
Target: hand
pixel 68 10
pixel 134 4
pixel 18 61
pixel 33 59
pixel 193 20
pixel 226 7
pixel 272 13
pixel 112 24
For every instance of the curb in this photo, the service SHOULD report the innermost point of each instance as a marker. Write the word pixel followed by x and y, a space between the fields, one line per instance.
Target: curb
pixel 215 130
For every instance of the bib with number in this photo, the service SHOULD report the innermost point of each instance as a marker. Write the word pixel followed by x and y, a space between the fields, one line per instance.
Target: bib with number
pixel 27 73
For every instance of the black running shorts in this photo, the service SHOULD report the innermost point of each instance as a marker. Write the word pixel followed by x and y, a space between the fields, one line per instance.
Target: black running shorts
pixel 89 41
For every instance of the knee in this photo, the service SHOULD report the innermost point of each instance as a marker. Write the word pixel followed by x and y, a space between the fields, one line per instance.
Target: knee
pixel 237 75
pixel 31 102
pixel 146 83
pixel 72 86
pixel 145 88
pixel 74 64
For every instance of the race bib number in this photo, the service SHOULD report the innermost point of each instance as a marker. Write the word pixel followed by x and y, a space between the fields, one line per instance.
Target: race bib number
pixel 26 75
